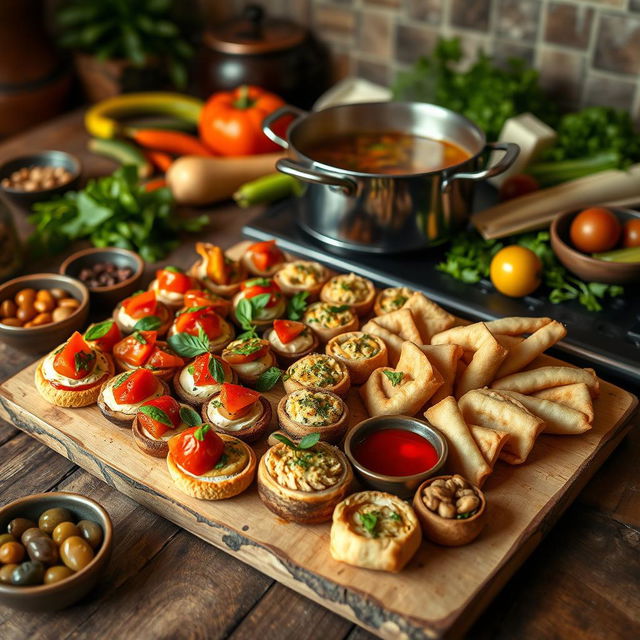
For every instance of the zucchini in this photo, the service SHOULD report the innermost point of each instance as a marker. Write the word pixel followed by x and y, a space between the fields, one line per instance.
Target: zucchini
pixel 122 152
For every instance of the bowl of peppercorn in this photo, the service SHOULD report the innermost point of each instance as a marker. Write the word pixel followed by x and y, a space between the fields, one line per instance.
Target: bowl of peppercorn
pixel 110 273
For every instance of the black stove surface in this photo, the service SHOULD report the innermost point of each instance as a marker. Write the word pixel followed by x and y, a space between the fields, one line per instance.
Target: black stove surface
pixel 608 339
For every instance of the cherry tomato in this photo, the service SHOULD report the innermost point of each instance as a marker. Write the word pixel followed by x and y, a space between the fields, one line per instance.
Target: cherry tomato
pixel 76 359
pixel 518 185
pixel 515 271
pixel 197 450
pixel 163 358
pixel 141 305
pixel 164 418
pixel 136 348
pixel 235 397
pixel 631 237
pixel 136 387
pixel 173 279
pixel 595 230
pixel 288 330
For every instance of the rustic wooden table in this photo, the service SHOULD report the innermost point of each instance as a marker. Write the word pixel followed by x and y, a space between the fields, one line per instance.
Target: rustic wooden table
pixel 582 581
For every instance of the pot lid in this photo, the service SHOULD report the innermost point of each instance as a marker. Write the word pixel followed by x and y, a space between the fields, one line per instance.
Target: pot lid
pixel 254 33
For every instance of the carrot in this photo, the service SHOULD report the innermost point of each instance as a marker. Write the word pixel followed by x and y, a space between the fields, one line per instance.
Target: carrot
pixel 181 144
pixel 159 159
pixel 157 183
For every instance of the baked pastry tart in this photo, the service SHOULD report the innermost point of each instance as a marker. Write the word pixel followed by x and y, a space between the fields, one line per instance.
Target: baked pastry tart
pixel 103 335
pixel 205 298
pixel 391 299
pixel 374 530
pixel 262 310
pixel 142 311
pixel 249 358
pixel 203 323
pixel 328 320
pixel 318 371
pixel 219 273
pixel 202 379
pixel 210 466
pixel 303 483
pixel 121 396
pixel 157 421
pixel 362 353
pixel 263 258
pixel 348 288
pixel 143 349
pixel 302 276
pixel 238 411
pixel 170 285
pixel 290 340
pixel 72 374
pixel 307 411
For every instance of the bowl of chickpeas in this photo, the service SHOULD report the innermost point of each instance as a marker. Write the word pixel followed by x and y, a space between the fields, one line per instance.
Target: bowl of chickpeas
pixel 40 311
pixel 53 549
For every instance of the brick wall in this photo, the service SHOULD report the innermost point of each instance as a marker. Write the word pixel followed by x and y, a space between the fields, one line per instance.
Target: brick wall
pixel 587 51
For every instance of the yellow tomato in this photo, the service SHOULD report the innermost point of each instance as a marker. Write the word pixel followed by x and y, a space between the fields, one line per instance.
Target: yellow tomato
pixel 515 271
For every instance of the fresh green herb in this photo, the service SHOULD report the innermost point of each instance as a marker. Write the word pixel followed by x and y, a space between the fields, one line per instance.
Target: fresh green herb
pixel 297 305
pixel 253 345
pixel 394 376
pixel 395 517
pixel 216 370
pixel 139 337
pixel 122 379
pixel 148 323
pixel 171 269
pixel 369 522
pixel 469 257
pixel 98 330
pixel 188 346
pixel 190 417
pixel 83 360
pixel 192 309
pixel 338 309
pixel 222 462
pixel 191 369
pixel 115 211
pixel 257 282
pixel 309 441
pixel 155 413
pixel 200 432
pixel 259 302
pixel 268 379
pixel 244 314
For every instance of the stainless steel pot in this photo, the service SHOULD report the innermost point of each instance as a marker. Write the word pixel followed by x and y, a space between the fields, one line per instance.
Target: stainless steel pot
pixel 384 213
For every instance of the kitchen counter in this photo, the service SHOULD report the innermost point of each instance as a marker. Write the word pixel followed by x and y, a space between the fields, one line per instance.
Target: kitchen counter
pixel 582 581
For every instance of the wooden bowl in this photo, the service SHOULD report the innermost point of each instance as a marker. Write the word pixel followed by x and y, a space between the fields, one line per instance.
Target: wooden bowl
pixel 582 264
pixel 51 597
pixel 41 339
pixel 449 532
pixel 111 295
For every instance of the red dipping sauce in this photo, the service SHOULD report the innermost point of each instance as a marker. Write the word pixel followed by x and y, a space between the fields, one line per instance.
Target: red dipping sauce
pixel 395 452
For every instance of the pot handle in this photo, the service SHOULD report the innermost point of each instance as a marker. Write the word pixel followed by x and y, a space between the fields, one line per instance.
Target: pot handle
pixel 272 118
pixel 511 151
pixel 291 168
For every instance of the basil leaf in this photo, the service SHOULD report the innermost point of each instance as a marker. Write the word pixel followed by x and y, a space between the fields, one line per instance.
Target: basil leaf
pixel 155 413
pixel 188 346
pixel 297 305
pixel 338 309
pixel 394 376
pixel 222 462
pixel 244 314
pixel 216 370
pixel 190 417
pixel 200 433
pixel 149 323
pixel 310 440
pixel 98 330
pixel 192 309
pixel 82 360
pixel 259 302
pixel 268 379
pixel 257 282
pixel 140 338
pixel 285 440
pixel 123 378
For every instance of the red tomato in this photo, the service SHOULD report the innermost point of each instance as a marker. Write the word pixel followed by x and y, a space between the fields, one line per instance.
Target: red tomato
pixel 518 185
pixel 163 358
pixel 136 387
pixel 173 279
pixel 76 359
pixel 106 342
pixel 257 286
pixel 167 416
pixel 256 348
pixel 201 374
pixel 197 450
pixel 631 236
pixel 231 121
pixel 594 230
pixel 200 298
pixel 235 397
pixel 265 254
pixel 136 348
pixel 141 305
pixel 191 321
pixel 288 330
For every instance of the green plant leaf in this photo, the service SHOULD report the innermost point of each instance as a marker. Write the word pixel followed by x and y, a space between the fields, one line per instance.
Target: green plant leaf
pixel 155 413
pixel 148 323
pixel 309 441
pixel 216 370
pixel 188 346
pixel 394 376
pixel 268 379
pixel 98 330
pixel 190 417
pixel 297 305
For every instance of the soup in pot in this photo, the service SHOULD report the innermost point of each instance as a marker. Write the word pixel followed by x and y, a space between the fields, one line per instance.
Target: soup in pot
pixel 389 152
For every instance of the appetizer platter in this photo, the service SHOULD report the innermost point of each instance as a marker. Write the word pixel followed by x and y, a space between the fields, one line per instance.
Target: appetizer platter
pixel 361 445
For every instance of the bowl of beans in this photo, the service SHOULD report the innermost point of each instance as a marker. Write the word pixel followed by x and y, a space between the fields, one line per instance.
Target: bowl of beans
pixel 39 176
pixel 53 549
pixel 40 311
pixel 110 273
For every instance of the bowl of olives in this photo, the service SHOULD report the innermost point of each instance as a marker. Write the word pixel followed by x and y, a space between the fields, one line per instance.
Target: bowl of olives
pixel 53 548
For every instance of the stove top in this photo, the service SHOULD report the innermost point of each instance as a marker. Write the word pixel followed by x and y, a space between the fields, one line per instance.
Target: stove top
pixel 609 339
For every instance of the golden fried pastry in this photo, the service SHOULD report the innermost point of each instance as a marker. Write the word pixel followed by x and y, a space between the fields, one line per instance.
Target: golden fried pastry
pixel 489 441
pixel 533 380
pixel 428 316
pixel 391 299
pixel 348 288
pixel 394 328
pixel 445 358
pixel 328 320
pixel 302 275
pixel 360 352
pixel 318 371
pixel 576 396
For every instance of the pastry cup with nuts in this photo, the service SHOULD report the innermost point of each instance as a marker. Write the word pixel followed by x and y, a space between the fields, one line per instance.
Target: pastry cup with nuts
pixel 451 510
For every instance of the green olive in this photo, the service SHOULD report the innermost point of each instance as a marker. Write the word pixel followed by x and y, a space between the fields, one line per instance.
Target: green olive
pixel 51 518
pixel 27 574
pixel 18 526
pixel 6 572
pixel 65 530
pixel 31 533
pixel 76 553
pixel 57 573
pixel 44 549
pixel 11 553
pixel 6 537
pixel 92 532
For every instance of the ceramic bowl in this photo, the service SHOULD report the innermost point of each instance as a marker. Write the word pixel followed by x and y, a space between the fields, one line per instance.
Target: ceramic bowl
pixel 61 594
pixel 111 295
pixel 44 338
pixel 42 159
pixel 449 532
pixel 403 486
pixel 582 264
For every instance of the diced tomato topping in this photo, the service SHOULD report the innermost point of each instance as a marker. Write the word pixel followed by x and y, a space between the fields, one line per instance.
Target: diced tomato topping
pixel 288 330
pixel 200 298
pixel 164 416
pixel 173 279
pixel 202 374
pixel 137 386
pixel 191 321
pixel 76 359
pixel 141 305
pixel 197 450
pixel 136 348
pixel 216 265
pixel 256 286
pixel 235 397
pixel 265 254
pixel 106 342
pixel 163 358
pixel 232 357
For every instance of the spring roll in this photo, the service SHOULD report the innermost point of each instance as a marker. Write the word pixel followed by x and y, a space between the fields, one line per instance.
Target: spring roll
pixel 489 441
pixel 444 357
pixel 534 380
pixel 576 396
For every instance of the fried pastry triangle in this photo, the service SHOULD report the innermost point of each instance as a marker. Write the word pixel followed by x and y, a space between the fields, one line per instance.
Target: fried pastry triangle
pixel 394 328
pixel 429 318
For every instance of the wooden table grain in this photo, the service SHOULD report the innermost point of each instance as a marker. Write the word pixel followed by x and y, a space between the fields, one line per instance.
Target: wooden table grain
pixel 583 581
